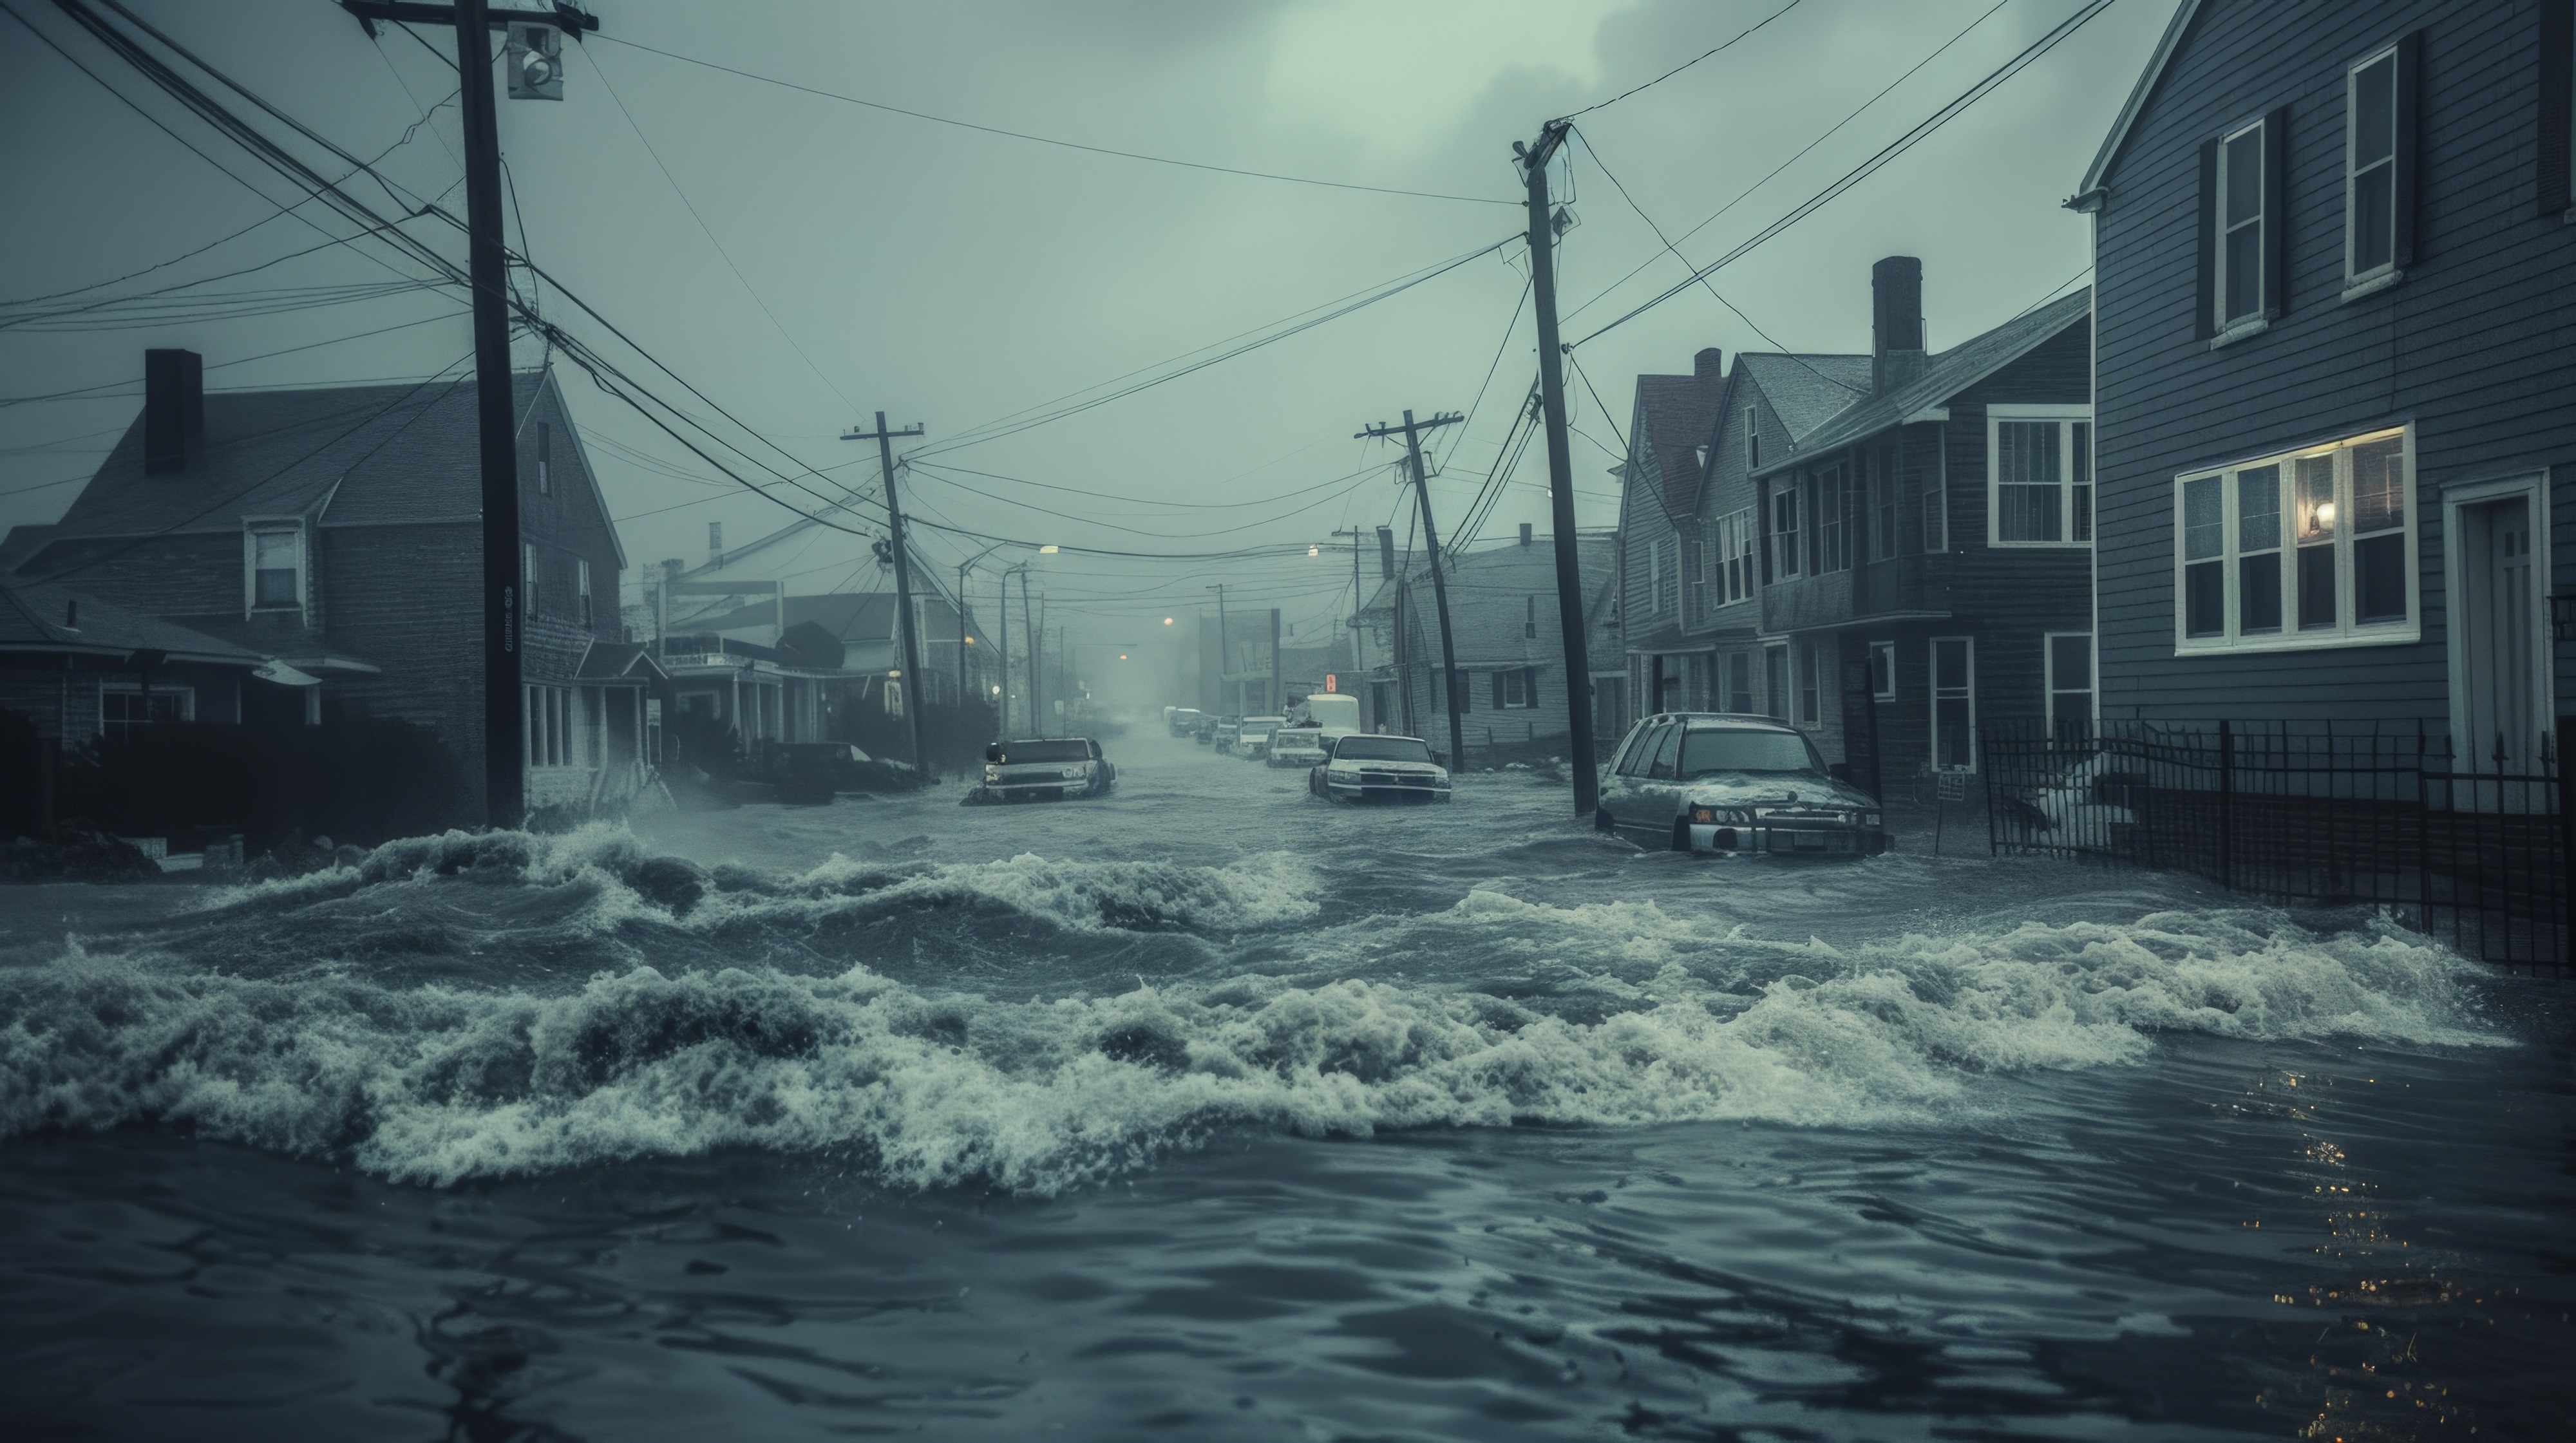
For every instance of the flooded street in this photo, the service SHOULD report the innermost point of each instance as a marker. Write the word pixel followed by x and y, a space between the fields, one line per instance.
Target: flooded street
pixel 1208 1109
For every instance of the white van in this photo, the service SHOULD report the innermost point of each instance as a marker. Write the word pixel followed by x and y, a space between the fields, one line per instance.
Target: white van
pixel 1324 714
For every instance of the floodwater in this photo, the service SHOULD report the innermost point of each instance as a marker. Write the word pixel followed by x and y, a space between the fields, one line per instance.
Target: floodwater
pixel 1208 1110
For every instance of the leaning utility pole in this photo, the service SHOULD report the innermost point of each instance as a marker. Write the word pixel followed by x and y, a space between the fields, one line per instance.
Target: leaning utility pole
pixel 1560 472
pixel 1413 430
pixel 916 696
pixel 496 421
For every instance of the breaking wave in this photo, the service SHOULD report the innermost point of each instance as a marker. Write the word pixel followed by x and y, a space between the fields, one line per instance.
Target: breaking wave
pixel 1648 1018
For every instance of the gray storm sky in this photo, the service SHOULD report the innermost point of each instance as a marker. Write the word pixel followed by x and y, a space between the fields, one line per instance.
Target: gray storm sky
pixel 806 261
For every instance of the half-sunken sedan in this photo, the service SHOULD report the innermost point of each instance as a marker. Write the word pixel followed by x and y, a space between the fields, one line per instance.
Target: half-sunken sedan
pixel 1044 769
pixel 1379 769
pixel 1716 783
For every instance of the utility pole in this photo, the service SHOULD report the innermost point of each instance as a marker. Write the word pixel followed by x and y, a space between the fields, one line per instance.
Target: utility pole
pixel 1560 472
pixel 1413 430
pixel 1005 607
pixel 1037 645
pixel 1224 693
pixel 915 694
pixel 487 266
pixel 964 567
pixel 1358 600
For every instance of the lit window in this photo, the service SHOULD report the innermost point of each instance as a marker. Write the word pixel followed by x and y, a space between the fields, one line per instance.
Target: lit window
pixel 2040 475
pixel 2307 549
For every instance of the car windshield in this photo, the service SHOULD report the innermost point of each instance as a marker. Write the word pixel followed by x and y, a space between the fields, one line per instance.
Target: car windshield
pixel 1714 750
pixel 1380 749
pixel 1058 751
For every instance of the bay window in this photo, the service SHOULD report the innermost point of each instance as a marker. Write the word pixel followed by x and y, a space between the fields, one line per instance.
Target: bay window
pixel 2310 548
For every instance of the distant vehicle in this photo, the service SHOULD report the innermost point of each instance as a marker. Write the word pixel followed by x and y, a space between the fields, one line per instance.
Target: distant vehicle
pixel 1227 728
pixel 1044 769
pixel 1254 739
pixel 1719 784
pixel 1299 741
pixel 1379 769
pixel 1183 720
pixel 1204 729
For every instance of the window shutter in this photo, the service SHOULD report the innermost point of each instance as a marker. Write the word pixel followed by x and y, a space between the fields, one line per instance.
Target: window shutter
pixel 2410 53
pixel 2557 80
pixel 1498 691
pixel 2205 324
pixel 2276 213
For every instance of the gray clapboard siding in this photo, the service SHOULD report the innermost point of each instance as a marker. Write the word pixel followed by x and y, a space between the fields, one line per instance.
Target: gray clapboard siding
pixel 2471 347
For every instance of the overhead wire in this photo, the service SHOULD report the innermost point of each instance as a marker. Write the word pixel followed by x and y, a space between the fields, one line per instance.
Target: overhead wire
pixel 1872 165
pixel 1045 139
pixel 1685 65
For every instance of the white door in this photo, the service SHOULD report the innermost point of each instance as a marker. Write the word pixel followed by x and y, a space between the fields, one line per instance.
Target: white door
pixel 2499 673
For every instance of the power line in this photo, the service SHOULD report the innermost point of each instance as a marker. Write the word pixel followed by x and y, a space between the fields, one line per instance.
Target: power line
pixel 1802 151
pixel 1870 167
pixel 1048 140
pixel 108 386
pixel 1685 65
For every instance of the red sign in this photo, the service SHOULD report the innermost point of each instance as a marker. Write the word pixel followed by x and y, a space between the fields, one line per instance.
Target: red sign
pixel 1328 681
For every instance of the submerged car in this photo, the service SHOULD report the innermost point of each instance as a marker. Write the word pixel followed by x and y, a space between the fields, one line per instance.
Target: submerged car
pixel 1303 739
pixel 1379 769
pixel 1253 740
pixel 1721 784
pixel 1183 720
pixel 1044 769
pixel 1223 734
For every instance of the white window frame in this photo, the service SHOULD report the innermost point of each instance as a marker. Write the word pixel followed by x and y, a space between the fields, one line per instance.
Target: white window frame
pixel 528 589
pixel 1832 543
pixel 581 572
pixel 2074 472
pixel 255 527
pixel 2387 271
pixel 2048 681
pixel 1752 438
pixel 545 459
pixel 1785 540
pixel 2221 325
pixel 186 695
pixel 2347 632
pixel 1882 665
pixel 1936 695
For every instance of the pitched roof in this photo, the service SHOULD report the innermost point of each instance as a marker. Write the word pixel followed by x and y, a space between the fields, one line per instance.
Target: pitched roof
pixel 610 660
pixel 1946 375
pixel 1675 416
pixel 2085 194
pixel 21 543
pixel 40 616
pixel 371 455
pixel 1501 567
pixel 1805 391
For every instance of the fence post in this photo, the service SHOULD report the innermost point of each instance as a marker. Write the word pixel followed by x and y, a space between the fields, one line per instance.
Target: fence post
pixel 2226 803
pixel 2566 845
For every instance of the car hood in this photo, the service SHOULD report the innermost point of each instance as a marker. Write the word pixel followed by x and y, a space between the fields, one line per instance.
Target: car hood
pixel 1743 789
pixel 1355 763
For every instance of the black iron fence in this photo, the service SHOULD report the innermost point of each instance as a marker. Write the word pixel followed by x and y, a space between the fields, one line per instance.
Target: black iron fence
pixel 2473 850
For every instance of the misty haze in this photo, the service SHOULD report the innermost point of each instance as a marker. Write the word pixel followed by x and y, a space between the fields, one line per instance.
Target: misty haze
pixel 1287 719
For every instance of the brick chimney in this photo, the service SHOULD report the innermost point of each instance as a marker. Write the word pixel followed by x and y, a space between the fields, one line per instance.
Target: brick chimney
pixel 1709 364
pixel 174 411
pixel 1896 323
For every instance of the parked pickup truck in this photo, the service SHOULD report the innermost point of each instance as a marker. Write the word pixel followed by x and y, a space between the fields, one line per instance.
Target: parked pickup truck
pixel 1044 769
pixel 1726 785
pixel 1299 741
pixel 1379 769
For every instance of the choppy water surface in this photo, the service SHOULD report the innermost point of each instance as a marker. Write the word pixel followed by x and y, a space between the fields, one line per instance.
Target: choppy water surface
pixel 1211 1111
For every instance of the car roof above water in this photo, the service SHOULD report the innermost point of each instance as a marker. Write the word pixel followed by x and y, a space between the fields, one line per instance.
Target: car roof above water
pixel 1721 721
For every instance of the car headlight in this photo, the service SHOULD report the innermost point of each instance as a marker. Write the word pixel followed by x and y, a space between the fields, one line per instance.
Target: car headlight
pixel 1723 816
pixel 1072 772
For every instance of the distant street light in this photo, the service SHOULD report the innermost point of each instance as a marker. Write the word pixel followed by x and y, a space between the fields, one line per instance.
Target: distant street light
pixel 1167 621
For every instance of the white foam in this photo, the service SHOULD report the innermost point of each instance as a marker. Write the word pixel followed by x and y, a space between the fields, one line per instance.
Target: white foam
pixel 437 1084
